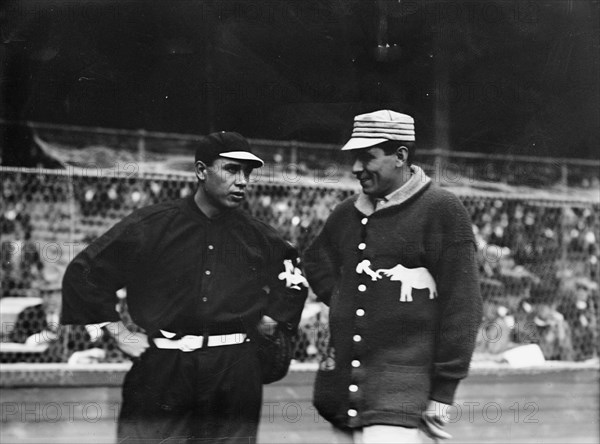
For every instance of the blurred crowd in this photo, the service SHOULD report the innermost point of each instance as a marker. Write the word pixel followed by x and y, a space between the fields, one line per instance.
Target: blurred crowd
pixel 538 263
pixel 539 278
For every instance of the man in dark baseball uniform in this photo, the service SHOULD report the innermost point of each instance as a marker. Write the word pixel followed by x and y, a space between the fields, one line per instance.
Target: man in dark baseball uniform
pixel 396 265
pixel 200 275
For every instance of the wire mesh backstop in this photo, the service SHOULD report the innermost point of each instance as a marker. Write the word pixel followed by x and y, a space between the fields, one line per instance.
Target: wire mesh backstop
pixel 538 257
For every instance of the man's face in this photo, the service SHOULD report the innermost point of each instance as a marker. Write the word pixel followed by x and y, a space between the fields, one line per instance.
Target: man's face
pixel 226 182
pixel 376 171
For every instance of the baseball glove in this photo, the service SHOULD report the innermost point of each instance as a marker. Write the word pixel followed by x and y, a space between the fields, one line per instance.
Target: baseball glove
pixel 275 354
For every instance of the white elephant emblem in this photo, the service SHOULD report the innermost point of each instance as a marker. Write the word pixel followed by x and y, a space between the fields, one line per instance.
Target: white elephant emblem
pixel 418 278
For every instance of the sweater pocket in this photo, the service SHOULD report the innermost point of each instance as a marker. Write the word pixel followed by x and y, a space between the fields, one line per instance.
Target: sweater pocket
pixel 403 389
pixel 327 395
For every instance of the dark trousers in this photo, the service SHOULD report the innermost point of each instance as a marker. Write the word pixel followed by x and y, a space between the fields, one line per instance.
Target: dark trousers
pixel 204 396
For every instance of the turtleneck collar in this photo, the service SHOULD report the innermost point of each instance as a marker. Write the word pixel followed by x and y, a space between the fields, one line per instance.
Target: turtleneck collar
pixel 418 180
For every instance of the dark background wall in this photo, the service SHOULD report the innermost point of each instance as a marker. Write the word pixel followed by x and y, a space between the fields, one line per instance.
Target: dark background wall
pixel 487 76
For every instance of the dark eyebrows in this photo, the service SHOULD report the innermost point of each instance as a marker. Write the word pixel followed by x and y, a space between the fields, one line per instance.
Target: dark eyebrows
pixel 237 166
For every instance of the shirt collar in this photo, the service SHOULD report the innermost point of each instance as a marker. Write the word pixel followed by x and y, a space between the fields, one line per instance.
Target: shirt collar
pixel 193 207
pixel 418 180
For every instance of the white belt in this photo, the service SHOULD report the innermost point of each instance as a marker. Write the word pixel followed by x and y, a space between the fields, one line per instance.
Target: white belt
pixel 190 342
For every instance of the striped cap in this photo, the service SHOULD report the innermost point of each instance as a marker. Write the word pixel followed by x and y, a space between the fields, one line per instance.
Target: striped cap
pixel 378 127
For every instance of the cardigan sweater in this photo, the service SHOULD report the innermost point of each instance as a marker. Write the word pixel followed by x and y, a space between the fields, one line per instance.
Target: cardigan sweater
pixel 401 283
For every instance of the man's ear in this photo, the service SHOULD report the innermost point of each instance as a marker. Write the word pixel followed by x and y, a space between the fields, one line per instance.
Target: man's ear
pixel 401 155
pixel 200 170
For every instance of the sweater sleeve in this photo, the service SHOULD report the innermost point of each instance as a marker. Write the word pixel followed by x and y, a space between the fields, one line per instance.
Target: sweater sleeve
pixel 460 306
pixel 93 277
pixel 287 286
pixel 319 264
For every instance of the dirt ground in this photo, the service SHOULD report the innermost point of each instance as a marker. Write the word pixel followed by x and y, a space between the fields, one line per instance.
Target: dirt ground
pixel 491 407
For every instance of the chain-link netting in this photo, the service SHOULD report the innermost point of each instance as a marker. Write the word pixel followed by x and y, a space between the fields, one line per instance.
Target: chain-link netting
pixel 538 259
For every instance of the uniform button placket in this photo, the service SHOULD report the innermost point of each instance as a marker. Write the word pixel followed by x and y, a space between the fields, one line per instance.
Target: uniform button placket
pixel 357 338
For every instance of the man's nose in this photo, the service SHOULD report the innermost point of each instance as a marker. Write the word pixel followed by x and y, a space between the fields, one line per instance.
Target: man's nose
pixel 357 166
pixel 241 180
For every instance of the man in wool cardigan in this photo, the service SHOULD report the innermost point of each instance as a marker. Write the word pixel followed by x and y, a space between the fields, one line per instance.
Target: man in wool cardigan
pixel 396 265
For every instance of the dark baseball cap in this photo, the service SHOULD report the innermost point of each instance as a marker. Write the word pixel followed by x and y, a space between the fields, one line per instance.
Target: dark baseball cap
pixel 226 144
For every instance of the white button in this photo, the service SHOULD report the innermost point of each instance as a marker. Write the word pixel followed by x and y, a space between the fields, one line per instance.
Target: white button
pixel 210 247
pixel 355 363
pixel 364 221
pixel 362 246
pixel 207 272
pixel 353 388
pixel 356 338
pixel 352 412
pixel 362 287
pixel 204 299
pixel 360 312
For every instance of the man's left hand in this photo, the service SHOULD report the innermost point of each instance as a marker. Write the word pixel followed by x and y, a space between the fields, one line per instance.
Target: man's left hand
pixel 434 420
pixel 267 325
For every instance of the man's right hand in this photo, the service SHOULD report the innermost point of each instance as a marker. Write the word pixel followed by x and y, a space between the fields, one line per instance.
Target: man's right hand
pixel 130 343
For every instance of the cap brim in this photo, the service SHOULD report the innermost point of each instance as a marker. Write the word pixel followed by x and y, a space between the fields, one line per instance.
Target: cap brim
pixel 245 156
pixel 357 143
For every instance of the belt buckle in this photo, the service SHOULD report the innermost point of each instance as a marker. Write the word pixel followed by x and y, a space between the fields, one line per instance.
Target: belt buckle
pixel 190 343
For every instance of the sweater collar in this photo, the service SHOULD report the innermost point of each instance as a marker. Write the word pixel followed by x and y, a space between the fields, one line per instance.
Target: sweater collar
pixel 418 180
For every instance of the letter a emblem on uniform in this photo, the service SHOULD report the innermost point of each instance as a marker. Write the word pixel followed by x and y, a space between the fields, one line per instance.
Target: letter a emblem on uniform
pixel 292 276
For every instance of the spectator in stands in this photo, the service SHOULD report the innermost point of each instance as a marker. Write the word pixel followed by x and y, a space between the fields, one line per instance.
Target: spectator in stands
pixel 552 332
pixel 579 308
pixel 38 324
pixel 495 333
pixel 506 310
pixel 200 276
pixel 21 263
pixel 396 265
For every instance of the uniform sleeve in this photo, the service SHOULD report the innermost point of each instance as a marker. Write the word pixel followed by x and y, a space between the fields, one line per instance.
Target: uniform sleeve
pixel 287 287
pixel 92 279
pixel 319 265
pixel 460 305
